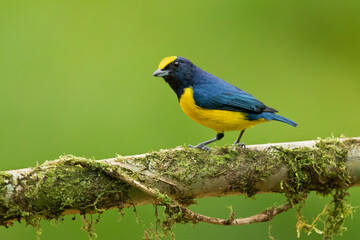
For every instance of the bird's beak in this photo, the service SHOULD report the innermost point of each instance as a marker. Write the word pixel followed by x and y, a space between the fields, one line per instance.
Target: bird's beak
pixel 161 73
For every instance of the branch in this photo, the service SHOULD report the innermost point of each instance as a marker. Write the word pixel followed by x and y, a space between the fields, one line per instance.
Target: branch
pixel 175 177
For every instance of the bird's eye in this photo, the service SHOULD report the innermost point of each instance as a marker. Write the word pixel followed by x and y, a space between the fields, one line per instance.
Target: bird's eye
pixel 177 64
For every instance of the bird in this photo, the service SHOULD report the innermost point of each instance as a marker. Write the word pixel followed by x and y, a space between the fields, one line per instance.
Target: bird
pixel 213 102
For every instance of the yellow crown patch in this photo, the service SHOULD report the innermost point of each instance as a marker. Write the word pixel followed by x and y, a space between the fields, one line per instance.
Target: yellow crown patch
pixel 166 61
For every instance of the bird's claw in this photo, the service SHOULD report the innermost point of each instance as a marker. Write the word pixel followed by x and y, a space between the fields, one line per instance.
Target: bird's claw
pixel 242 145
pixel 200 146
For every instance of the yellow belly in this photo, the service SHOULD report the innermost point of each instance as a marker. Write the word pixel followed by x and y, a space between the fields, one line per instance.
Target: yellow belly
pixel 219 120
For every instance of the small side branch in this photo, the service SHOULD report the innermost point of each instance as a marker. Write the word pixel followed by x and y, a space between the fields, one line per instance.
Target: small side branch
pixel 263 216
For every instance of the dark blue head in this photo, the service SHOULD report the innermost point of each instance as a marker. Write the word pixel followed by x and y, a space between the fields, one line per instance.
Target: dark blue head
pixel 178 72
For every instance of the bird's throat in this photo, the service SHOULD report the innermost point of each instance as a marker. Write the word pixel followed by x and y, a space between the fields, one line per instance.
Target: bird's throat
pixel 176 86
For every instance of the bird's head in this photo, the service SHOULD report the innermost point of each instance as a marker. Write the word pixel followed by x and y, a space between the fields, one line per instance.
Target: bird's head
pixel 175 68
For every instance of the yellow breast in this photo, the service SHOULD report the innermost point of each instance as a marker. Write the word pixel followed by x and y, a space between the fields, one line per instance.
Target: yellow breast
pixel 219 120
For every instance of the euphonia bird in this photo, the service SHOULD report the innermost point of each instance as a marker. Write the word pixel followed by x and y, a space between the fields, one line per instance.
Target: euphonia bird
pixel 212 102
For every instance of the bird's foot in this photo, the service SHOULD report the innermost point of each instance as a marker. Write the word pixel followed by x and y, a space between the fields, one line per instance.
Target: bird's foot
pixel 201 146
pixel 241 145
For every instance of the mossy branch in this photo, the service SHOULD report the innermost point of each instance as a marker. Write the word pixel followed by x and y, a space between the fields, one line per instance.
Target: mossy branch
pixel 174 178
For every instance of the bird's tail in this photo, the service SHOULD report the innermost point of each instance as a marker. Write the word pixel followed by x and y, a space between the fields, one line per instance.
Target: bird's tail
pixel 274 116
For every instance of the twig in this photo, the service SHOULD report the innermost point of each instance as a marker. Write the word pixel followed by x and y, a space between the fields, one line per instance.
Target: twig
pixel 263 216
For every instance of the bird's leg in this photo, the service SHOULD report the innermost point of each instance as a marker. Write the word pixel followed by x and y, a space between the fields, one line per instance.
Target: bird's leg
pixel 203 144
pixel 237 142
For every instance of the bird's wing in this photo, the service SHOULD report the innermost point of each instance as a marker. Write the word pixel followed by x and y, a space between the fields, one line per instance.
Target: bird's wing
pixel 234 100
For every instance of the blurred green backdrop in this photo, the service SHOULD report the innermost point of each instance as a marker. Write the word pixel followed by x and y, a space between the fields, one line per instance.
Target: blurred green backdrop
pixel 76 77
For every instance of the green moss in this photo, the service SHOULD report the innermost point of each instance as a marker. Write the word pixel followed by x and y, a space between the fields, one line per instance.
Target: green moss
pixel 73 183
pixel 88 226
pixel 70 183
pixel 6 208
pixel 322 169
pixel 192 165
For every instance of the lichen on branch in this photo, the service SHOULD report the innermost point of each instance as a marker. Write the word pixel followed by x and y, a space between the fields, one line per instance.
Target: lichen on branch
pixel 175 178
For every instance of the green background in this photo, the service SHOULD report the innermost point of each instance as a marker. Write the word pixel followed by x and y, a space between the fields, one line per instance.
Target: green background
pixel 76 77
